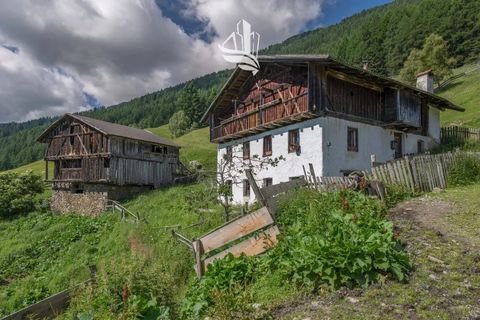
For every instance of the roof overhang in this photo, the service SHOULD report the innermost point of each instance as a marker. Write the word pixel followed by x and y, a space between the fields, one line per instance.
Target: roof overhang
pixel 231 88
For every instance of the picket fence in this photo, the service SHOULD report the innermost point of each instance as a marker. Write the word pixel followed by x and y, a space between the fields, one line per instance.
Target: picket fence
pixel 459 133
pixel 418 173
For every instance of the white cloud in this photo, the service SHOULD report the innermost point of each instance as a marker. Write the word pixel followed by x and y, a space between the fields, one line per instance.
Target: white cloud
pixel 119 49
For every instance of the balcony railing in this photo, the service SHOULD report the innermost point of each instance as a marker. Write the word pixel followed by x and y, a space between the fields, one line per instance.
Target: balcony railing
pixel 262 118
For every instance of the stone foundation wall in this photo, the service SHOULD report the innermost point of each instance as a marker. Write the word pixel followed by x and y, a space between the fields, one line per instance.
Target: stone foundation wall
pixel 87 203
pixel 115 192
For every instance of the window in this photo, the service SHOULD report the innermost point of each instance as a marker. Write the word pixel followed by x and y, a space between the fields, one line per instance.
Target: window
pixel 246 151
pixel 229 154
pixel 267 182
pixel 267 146
pixel 106 163
pixel 293 141
pixel 295 178
pixel 352 139
pixel 246 188
pixel 72 164
pixel 157 149
pixel 420 146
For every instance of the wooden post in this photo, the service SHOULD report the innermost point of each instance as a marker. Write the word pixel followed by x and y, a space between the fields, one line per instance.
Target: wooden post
pixel 312 172
pixel 46 170
pixel 254 185
pixel 198 251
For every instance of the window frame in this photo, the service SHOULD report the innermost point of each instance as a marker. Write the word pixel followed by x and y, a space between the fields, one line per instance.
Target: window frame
pixel 352 141
pixel 246 156
pixel 293 140
pixel 267 182
pixel 229 153
pixel 267 153
pixel 246 188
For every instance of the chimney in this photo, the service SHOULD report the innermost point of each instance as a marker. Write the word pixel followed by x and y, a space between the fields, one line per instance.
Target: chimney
pixel 425 81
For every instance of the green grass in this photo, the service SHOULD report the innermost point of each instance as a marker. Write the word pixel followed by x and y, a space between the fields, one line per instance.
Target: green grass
pixel 43 253
pixel 37 167
pixel 465 93
pixel 195 145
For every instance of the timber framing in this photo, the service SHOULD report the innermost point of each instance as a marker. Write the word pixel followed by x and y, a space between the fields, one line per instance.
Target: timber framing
pixel 293 88
pixel 85 150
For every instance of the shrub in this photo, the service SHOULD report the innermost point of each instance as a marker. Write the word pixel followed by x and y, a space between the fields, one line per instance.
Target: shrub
pixel 327 240
pixel 18 193
pixel 337 239
pixel 465 171
pixel 220 287
pixel 179 124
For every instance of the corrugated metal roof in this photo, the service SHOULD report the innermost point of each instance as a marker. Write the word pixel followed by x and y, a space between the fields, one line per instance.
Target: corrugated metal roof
pixel 113 129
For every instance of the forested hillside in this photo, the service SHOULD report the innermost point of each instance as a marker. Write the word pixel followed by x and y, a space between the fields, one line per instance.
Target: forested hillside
pixel 18 144
pixel 383 36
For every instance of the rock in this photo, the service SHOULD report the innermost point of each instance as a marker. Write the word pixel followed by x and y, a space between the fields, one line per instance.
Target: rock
pixel 437 190
pixel 315 304
pixel 256 305
pixel 352 300
pixel 432 276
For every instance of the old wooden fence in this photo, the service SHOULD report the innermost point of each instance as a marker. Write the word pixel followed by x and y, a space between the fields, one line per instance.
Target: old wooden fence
pixel 51 307
pixel 459 133
pixel 417 173
pixel 251 234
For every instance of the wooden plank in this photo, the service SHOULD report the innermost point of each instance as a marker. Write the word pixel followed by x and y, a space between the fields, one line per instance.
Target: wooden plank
pixel 256 190
pixel 236 229
pixel 312 172
pixel 252 246
pixel 273 190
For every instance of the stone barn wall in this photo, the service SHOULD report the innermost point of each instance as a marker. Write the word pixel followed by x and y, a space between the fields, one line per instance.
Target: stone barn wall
pixel 87 203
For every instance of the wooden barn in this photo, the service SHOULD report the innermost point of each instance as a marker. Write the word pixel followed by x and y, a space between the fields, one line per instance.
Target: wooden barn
pixel 94 161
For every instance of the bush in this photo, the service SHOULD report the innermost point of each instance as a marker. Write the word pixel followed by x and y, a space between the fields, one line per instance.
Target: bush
pixel 327 240
pixel 18 193
pixel 222 293
pixel 337 239
pixel 465 171
pixel 179 124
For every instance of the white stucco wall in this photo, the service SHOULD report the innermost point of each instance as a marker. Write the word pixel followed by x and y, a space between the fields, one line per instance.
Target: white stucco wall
pixel 323 143
pixel 371 140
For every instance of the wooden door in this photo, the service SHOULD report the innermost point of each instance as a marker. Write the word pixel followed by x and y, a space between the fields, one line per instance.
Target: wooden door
pixel 397 138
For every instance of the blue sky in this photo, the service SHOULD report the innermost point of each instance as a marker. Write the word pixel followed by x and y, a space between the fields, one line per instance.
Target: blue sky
pixel 79 54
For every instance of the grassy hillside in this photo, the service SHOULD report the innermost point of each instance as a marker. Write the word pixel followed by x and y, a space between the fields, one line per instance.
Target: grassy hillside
pixel 465 93
pixel 43 253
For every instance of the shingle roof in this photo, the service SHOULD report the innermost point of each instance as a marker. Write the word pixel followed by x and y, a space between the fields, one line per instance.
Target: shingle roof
pixel 113 129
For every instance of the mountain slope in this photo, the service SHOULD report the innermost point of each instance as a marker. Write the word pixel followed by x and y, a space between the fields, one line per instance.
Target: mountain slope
pixel 383 35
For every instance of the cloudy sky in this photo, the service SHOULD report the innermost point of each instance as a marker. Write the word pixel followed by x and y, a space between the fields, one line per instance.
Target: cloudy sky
pixel 61 56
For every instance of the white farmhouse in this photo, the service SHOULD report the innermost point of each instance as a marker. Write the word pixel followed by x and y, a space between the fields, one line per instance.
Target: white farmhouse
pixel 314 109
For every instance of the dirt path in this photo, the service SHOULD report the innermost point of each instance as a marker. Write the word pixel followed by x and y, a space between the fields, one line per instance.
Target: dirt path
pixel 445 282
pixel 434 213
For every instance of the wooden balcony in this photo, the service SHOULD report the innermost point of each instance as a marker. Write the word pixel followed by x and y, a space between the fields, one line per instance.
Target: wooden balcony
pixel 268 116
